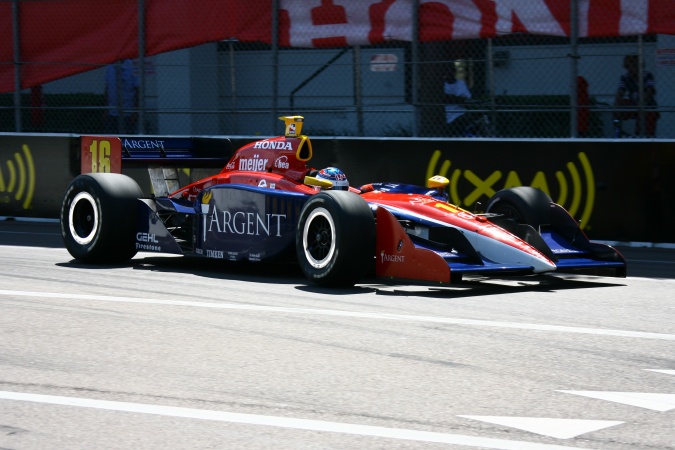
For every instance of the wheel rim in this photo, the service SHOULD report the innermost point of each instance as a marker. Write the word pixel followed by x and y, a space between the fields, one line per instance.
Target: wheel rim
pixel 83 218
pixel 318 238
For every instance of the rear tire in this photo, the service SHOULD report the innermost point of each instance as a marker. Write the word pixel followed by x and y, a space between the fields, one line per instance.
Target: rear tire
pixel 335 240
pixel 98 217
pixel 522 204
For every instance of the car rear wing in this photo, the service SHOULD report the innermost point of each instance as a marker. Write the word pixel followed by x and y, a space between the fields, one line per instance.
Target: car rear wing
pixel 163 156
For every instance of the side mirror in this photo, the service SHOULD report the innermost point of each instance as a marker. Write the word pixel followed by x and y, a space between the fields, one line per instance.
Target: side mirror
pixel 439 183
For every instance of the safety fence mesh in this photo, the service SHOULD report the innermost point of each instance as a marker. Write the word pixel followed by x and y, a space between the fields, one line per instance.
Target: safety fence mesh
pixel 519 85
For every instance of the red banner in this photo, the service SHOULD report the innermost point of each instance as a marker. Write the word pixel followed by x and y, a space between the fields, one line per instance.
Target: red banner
pixel 64 37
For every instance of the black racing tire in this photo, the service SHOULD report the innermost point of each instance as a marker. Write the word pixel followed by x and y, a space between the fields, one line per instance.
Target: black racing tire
pixel 98 218
pixel 335 239
pixel 523 204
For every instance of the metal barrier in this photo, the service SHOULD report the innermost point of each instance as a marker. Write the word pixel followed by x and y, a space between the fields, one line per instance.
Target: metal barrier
pixel 618 190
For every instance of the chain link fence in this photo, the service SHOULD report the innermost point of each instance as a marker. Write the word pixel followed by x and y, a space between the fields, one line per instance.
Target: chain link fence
pixel 513 86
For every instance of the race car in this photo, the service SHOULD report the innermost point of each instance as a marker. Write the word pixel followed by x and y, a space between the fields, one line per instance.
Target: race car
pixel 267 204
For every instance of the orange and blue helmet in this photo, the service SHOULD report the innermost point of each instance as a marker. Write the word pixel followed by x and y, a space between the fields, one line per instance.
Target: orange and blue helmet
pixel 335 176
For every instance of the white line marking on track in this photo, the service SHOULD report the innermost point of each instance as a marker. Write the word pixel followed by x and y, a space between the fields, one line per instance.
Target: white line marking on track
pixel 353 314
pixel 283 422
pixel 668 372
pixel 655 402
pixel 556 428
pixel 654 280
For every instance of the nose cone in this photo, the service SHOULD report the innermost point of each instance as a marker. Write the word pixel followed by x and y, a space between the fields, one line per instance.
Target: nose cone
pixel 541 264
pixel 513 256
pixel 510 251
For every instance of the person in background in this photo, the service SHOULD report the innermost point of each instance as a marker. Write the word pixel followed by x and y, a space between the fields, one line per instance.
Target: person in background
pixel 455 95
pixel 583 102
pixel 628 97
pixel 121 93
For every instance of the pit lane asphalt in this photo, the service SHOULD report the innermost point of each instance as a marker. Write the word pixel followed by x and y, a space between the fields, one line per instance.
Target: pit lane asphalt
pixel 167 353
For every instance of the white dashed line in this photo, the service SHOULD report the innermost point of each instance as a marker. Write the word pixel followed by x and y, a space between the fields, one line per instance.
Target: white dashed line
pixel 556 428
pixel 283 422
pixel 647 400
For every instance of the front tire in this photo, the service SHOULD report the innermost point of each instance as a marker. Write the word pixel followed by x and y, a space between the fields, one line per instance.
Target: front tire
pixel 522 204
pixel 98 217
pixel 335 240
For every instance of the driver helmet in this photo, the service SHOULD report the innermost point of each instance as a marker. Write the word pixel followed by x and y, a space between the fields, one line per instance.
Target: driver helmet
pixel 335 176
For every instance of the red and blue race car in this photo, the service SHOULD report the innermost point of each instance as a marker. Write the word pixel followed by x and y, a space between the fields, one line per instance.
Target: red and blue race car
pixel 268 204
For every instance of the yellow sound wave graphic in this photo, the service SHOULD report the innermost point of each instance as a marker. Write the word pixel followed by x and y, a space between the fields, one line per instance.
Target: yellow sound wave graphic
pixel 574 187
pixel 21 177
pixel 577 188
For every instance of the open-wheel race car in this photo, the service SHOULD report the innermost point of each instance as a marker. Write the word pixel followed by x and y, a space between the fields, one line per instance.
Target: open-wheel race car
pixel 267 204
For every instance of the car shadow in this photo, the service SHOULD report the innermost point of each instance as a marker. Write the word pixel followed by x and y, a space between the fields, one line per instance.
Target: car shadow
pixel 284 273
pixel 259 272
pixel 485 286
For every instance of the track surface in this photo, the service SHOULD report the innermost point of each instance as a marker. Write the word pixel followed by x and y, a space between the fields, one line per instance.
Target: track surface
pixel 169 352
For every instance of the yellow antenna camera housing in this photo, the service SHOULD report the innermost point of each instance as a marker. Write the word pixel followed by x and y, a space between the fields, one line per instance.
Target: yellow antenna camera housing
pixel 293 125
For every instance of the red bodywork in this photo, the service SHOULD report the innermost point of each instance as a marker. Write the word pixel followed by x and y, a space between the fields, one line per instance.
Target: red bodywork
pixel 397 257
pixel 422 264
pixel 280 163
pixel 430 208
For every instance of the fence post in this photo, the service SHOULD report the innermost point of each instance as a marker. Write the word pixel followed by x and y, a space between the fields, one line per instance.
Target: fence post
pixel 491 81
pixel 141 66
pixel 17 66
pixel 275 65
pixel 574 68
pixel 358 88
pixel 415 55
pixel 641 88
pixel 233 83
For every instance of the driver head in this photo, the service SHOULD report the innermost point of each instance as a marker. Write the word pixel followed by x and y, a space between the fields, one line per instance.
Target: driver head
pixel 335 176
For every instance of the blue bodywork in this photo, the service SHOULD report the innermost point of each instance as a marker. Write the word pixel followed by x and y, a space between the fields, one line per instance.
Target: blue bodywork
pixel 231 222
